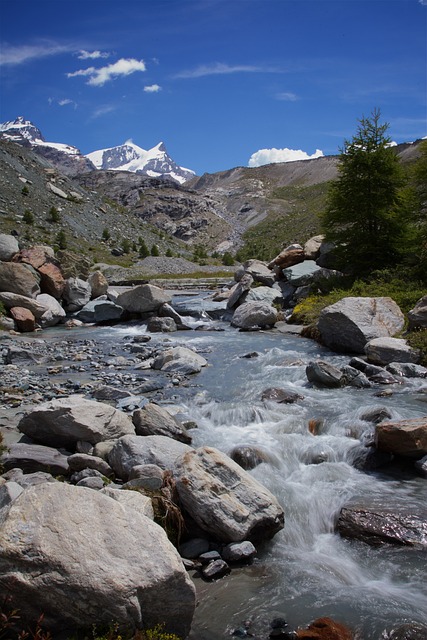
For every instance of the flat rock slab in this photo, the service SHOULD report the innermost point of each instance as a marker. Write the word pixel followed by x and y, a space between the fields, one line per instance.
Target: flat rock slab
pixel 377 524
pixel 63 422
pixel 35 457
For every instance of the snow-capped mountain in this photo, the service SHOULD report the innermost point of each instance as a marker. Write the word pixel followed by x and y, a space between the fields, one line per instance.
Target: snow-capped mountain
pixel 66 157
pixel 155 162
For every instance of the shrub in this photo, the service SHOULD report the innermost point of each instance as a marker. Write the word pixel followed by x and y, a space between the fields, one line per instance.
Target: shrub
pixel 25 190
pixel 28 217
pixel 418 340
pixel 61 240
pixel 227 259
pixel 106 235
pixel 54 215
pixel 155 250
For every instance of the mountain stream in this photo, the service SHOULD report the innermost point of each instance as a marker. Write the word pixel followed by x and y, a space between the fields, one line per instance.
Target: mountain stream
pixel 307 570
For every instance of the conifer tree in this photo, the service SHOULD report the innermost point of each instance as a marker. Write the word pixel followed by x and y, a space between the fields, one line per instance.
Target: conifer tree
pixel 364 216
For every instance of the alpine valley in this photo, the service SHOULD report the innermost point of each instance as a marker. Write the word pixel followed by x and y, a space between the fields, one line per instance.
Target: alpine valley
pixel 118 195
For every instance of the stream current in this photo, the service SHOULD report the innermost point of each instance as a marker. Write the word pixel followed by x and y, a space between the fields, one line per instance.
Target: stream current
pixel 307 570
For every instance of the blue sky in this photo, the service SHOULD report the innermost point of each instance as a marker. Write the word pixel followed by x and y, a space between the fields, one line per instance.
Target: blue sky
pixel 221 82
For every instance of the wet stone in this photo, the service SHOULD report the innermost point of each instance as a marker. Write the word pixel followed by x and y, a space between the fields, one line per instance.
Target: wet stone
pixel 215 570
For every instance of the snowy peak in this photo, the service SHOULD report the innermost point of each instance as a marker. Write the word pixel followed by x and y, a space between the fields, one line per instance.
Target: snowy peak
pixel 21 130
pixel 155 162
pixel 63 156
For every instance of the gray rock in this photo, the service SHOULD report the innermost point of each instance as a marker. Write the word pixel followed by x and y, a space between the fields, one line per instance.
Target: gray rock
pixel 28 479
pixel 254 314
pixel 417 316
pixel 194 548
pixel 130 451
pixel 281 396
pixel 249 456
pixel 238 291
pixel 146 476
pixel 9 492
pixel 53 311
pixel 110 393
pixel 349 324
pixel 223 499
pixel 17 355
pixel 179 360
pixel 259 272
pixel 63 422
pixel 35 457
pixel 324 374
pixel 10 299
pixel 215 569
pixel 78 476
pixel 77 293
pixel 153 420
pixel 161 325
pixel 131 499
pixel 355 378
pixel 91 482
pixel 8 247
pixel 145 297
pixel 407 370
pixel 312 247
pixel 267 295
pixel 99 311
pixel 121 567
pixel 382 351
pixel 239 551
pixel 421 466
pixel 80 461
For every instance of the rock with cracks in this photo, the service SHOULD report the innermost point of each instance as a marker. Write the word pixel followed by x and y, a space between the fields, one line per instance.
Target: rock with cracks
pixel 224 500
pixel 84 559
pixel 63 422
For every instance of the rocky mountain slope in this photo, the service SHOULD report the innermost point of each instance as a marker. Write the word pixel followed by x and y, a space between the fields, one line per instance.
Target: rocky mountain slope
pixel 277 203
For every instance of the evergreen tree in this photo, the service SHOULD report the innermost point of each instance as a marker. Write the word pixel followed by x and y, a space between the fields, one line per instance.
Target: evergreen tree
pixel 155 250
pixel 364 216
pixel 143 249
pixel 28 217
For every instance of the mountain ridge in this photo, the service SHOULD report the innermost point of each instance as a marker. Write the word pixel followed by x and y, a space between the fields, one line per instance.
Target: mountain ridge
pixel 154 162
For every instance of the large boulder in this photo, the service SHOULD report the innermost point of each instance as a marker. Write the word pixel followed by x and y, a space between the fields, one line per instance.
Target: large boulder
pixel 10 299
pixel 223 499
pixel 312 247
pixel 8 246
pixel 288 257
pixel 63 422
pixel 239 290
pixel 417 316
pixel 254 314
pixel 53 311
pixel 52 281
pixel 268 295
pixel 131 451
pixel 383 351
pixel 349 324
pixel 85 559
pixel 19 278
pixel 324 374
pixel 98 284
pixel 77 293
pixel 35 457
pixel 260 272
pixel 144 298
pixel 376 524
pixel 404 437
pixel 99 311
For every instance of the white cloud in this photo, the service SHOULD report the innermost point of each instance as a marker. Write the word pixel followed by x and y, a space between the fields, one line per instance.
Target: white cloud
pixel 18 55
pixel 103 110
pixel 219 68
pixel 423 2
pixel 287 96
pixel 85 55
pixel 98 77
pixel 65 101
pixel 152 88
pixel 270 156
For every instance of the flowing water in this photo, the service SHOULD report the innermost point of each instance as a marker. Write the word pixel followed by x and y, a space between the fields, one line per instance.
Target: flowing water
pixel 307 570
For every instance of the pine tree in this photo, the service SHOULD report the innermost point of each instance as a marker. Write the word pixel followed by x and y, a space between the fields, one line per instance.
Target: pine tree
pixel 364 216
